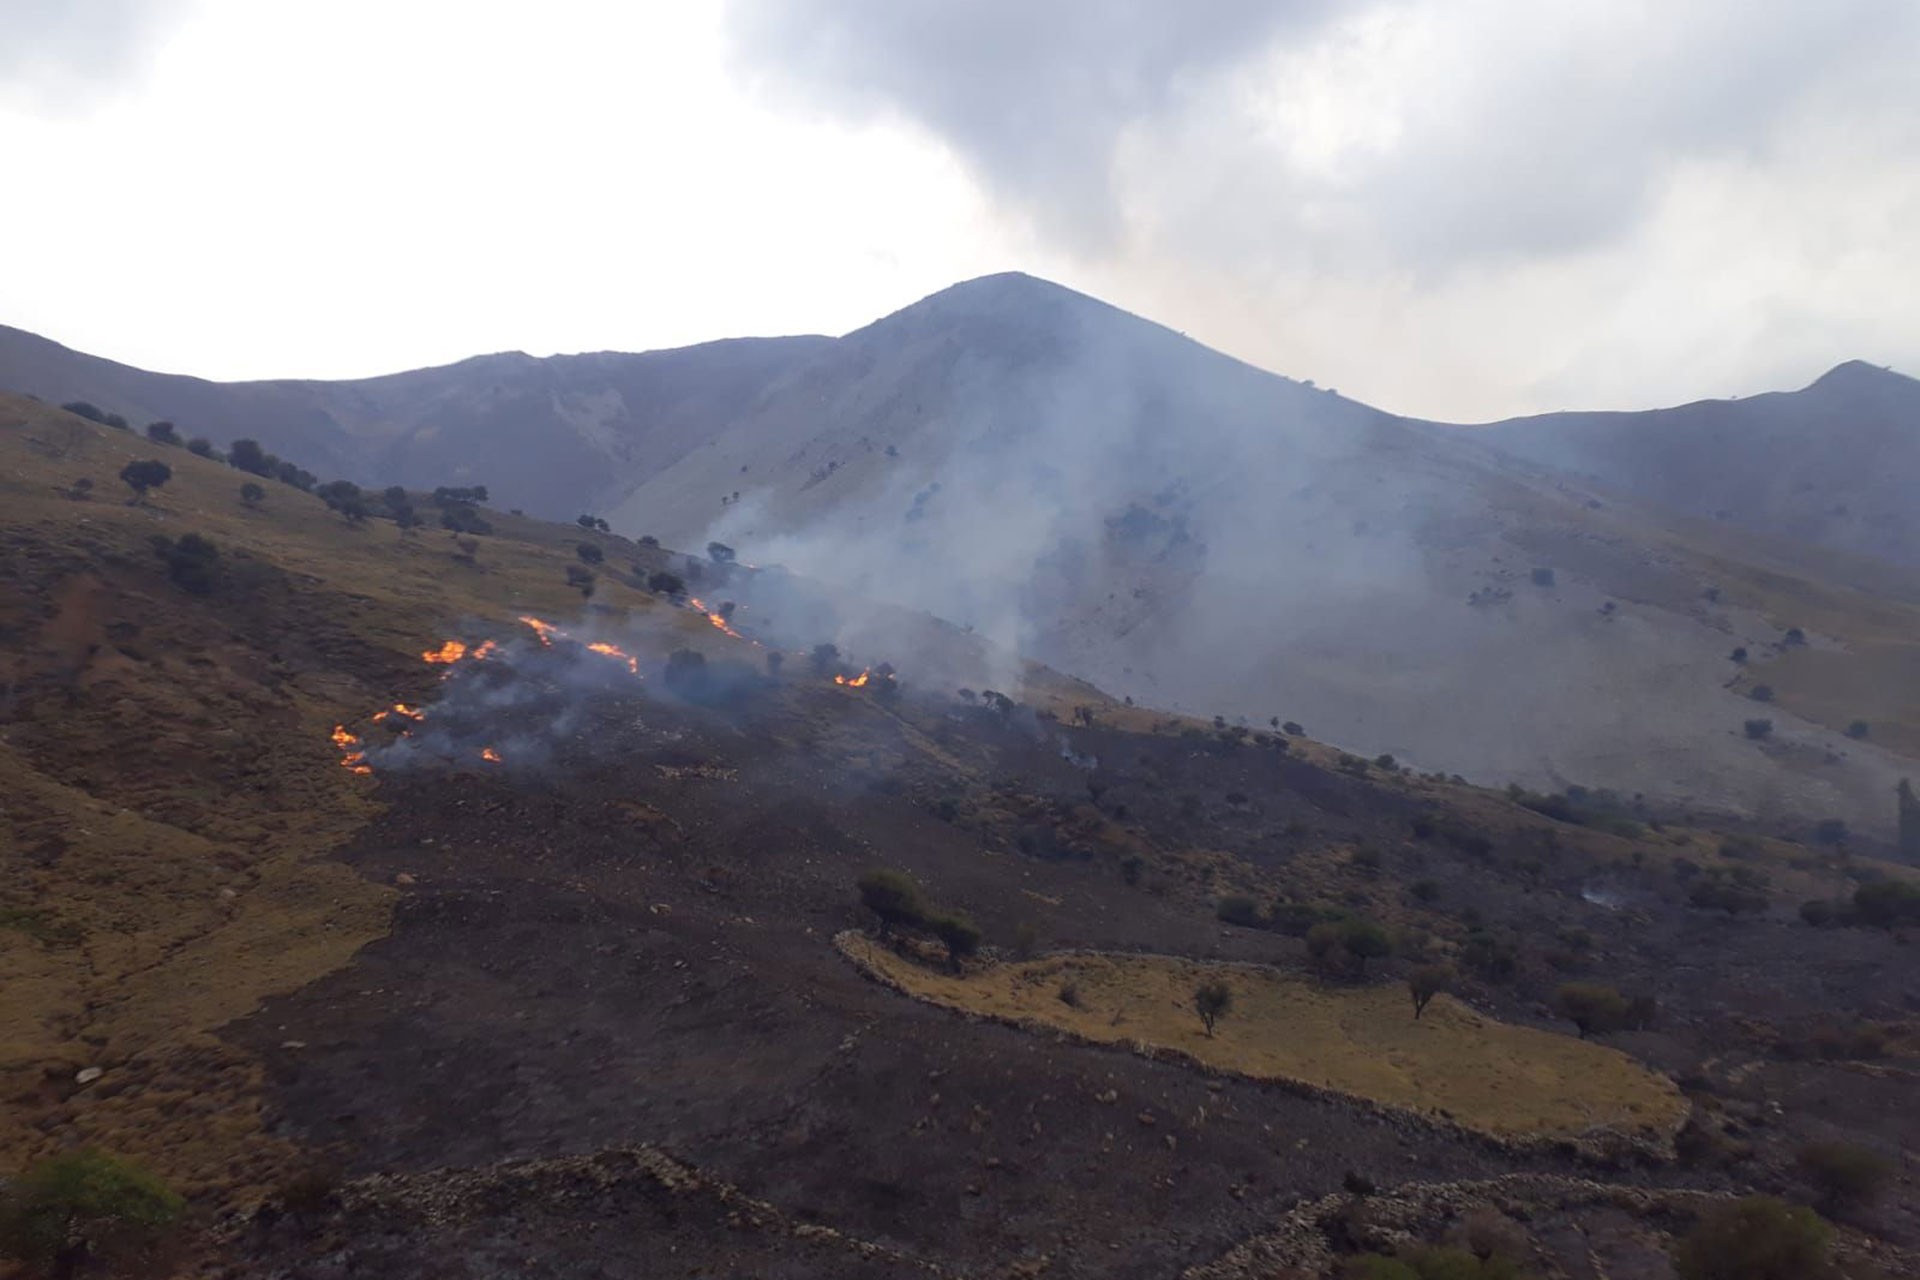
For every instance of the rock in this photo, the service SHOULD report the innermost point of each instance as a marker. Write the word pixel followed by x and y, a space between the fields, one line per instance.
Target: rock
pixel 87 1075
pixel 293 1044
pixel 1109 1096
pixel 1147 1118
pixel 404 879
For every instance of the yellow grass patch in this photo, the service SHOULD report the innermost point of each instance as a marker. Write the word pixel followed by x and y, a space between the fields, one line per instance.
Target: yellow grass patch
pixel 1454 1063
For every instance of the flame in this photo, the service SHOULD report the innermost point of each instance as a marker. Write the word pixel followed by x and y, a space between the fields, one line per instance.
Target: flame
pixel 451 651
pixel 352 758
pixel 719 622
pixel 403 710
pixel 615 651
pixel 854 683
pixel 545 630
pixel 485 650
pixel 490 755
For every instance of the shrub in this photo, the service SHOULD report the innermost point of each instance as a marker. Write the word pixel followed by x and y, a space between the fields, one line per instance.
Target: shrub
pixel 71 1211
pixel 1211 1000
pixel 1323 942
pixel 662 583
pixel 1427 891
pixel 1386 761
pixel 1492 959
pixel 144 475
pixel 1757 729
pixel 1754 1238
pixel 1794 636
pixel 1761 693
pixel 1542 577
pixel 958 934
pixel 1364 941
pixel 248 456
pixel 1887 904
pixel 580 579
pixel 201 447
pixel 1820 913
pixel 1859 729
pixel 85 409
pixel 469 494
pixel 1426 982
pixel 1292 729
pixel 775 660
pixel 251 494
pixel 1239 909
pixel 825 658
pixel 1830 831
pixel 1741 889
pixel 1738 656
pixel 163 433
pixel 719 553
pixel 686 671
pixel 463 517
pixel 1591 1007
pixel 1846 1176
pixel 589 554
pixel 1069 995
pixel 894 897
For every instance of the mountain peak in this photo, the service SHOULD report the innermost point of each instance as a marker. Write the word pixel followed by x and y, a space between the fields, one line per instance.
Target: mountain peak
pixel 1852 374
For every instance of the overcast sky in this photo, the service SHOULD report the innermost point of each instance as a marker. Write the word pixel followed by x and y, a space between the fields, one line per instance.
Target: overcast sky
pixel 1454 208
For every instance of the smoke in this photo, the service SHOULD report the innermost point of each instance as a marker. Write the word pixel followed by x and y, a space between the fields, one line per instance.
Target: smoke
pixel 58 54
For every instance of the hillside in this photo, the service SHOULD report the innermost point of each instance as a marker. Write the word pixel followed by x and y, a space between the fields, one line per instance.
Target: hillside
pixel 1827 465
pixel 414 913
pixel 554 436
pixel 1099 494
pixel 1120 502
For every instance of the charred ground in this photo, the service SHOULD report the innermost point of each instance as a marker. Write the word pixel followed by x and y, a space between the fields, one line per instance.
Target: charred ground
pixel 624 950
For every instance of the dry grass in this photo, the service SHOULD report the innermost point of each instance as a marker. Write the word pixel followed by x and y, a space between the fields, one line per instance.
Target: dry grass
pixel 1508 1081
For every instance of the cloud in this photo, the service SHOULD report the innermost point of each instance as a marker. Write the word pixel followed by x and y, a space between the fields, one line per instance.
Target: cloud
pixel 55 53
pixel 1037 96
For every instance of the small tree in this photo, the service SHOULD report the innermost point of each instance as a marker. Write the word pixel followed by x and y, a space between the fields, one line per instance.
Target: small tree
pixel 825 658
pixel 720 553
pixel 1888 904
pixel 83 1207
pixel 1426 982
pixel 662 583
pixel 200 447
pixel 1859 729
pixel 589 553
pixel 581 580
pixel 1847 1176
pixel 1754 1238
pixel 251 494
pixel 1738 656
pixel 958 934
pixel 248 456
pixel 163 433
pixel 405 518
pixel 894 897
pixel 86 409
pixel 144 475
pixel 1239 909
pixel 1211 1000
pixel 1323 942
pixel 1761 693
pixel 1758 729
pixel 1364 941
pixel 1590 1006
pixel 81 489
pixel 775 660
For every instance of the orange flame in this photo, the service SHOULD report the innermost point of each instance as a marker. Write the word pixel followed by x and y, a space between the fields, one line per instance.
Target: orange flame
pixel 490 755
pixel 855 683
pixel 451 651
pixel 545 630
pixel 485 650
pixel 615 651
pixel 401 709
pixel 719 622
pixel 352 758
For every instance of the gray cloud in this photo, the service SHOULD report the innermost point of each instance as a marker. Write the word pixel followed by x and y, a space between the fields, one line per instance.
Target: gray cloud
pixel 54 53
pixel 1037 96
pixel 1432 132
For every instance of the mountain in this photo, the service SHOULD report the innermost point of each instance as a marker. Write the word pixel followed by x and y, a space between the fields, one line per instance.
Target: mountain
pixel 1101 494
pixel 1831 464
pixel 551 435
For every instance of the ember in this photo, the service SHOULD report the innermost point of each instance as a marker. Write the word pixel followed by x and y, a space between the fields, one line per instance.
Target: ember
pixel 853 682
pixel 489 754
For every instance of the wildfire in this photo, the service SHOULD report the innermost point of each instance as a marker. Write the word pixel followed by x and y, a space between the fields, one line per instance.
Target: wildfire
pixel 615 651
pixel 545 630
pixel 490 755
pixel 451 651
pixel 718 620
pixel 352 758
pixel 402 710
pixel 853 682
